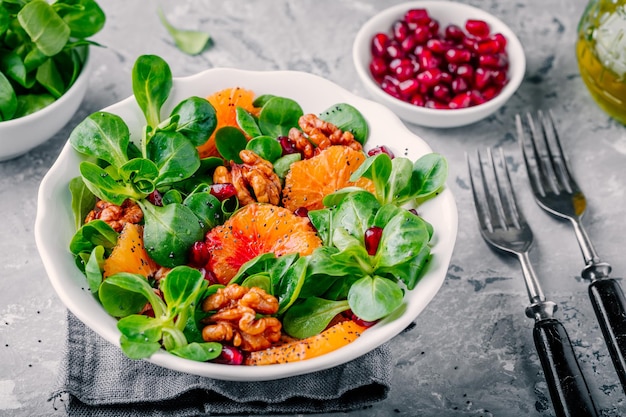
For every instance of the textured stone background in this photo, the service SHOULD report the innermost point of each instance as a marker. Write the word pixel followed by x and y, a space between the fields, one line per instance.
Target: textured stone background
pixel 470 352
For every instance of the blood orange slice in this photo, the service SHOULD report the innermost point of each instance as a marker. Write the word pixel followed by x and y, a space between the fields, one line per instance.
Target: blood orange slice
pixel 256 229
pixel 310 180
pixel 129 254
pixel 225 103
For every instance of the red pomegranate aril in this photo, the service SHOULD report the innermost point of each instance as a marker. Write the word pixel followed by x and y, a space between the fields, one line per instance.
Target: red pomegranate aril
pixel 421 35
pixel 229 356
pixel 490 92
pixel 433 25
pixel 458 55
pixel 372 239
pixel 492 61
pixel 400 30
pixel 441 93
pixel 489 46
pixel 476 97
pixel 498 78
pixel 288 146
pixel 482 77
pixel 413 211
pixel 437 46
pixel 465 71
pixel 454 32
pixel 223 191
pixel 433 104
pixel 427 60
pixel 380 149
pixel 459 85
pixel 408 44
pixel 390 86
pixel 404 71
pixel 460 101
pixel 419 16
pixel 199 254
pixel 430 77
pixel 417 100
pixel 445 78
pixel 378 67
pixel 394 50
pixel 155 198
pixel 301 212
pixel 501 41
pixel 478 28
pixel 408 87
pixel 379 44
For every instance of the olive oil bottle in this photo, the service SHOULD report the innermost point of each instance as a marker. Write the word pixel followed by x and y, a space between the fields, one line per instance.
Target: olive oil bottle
pixel 601 54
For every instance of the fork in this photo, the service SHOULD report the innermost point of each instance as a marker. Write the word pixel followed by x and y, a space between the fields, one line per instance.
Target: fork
pixel 503 227
pixel 557 192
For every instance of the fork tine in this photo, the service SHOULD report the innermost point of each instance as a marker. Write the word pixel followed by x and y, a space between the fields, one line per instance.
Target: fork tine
pixel 530 157
pixel 480 195
pixel 557 156
pixel 505 188
pixel 497 199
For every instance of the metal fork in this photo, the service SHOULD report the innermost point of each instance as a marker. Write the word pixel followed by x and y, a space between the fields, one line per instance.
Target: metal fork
pixel 503 226
pixel 557 192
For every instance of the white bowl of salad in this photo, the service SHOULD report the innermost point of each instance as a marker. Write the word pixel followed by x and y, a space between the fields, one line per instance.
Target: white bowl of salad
pixel 229 254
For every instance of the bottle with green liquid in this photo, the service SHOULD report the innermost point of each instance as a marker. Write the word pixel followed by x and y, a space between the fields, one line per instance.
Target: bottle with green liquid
pixel 601 54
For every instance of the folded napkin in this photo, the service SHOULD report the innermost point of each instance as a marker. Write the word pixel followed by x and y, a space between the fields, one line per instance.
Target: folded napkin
pixel 98 380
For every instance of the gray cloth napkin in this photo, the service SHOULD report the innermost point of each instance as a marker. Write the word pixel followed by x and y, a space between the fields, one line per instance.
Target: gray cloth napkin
pixel 98 380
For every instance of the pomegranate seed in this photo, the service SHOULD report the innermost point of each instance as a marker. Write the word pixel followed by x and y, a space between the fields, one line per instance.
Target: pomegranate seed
pixel 380 149
pixel 414 211
pixel 469 43
pixel 229 356
pixel 417 100
pixel 155 198
pixel 199 254
pixel 465 71
pixel 489 46
pixel 419 16
pixel 359 320
pixel 476 97
pixel 459 85
pixel 394 50
pixel 421 35
pixel 482 77
pixel 454 32
pixel 492 61
pixel 501 41
pixel 498 78
pixel 460 101
pixel 378 67
pixel 302 212
pixel 408 44
pixel 432 104
pixel 427 60
pixel 490 92
pixel 478 28
pixel 404 71
pixel 379 44
pixel 223 191
pixel 445 78
pixel 458 55
pixel 430 77
pixel 208 275
pixel 408 87
pixel 372 239
pixel 390 86
pixel 437 46
pixel 441 93
pixel 288 145
pixel 400 30
pixel 433 25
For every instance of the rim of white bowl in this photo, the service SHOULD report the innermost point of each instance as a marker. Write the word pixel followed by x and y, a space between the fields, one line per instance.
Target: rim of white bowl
pixel 82 78
pixel 363 38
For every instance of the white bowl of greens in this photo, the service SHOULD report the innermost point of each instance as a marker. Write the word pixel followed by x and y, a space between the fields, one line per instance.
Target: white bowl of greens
pixel 44 69
pixel 55 224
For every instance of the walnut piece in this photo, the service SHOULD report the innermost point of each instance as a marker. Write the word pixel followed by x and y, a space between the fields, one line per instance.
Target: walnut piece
pixel 236 321
pixel 320 133
pixel 114 215
pixel 254 179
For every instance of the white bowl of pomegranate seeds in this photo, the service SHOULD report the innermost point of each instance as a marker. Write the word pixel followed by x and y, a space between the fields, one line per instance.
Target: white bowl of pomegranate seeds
pixel 439 63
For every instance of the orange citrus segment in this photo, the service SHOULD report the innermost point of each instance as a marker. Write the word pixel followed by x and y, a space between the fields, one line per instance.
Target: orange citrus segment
pixel 330 339
pixel 254 230
pixel 225 103
pixel 310 180
pixel 129 254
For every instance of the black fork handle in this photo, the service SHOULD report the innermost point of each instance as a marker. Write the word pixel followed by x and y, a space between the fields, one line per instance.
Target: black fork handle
pixel 609 304
pixel 568 388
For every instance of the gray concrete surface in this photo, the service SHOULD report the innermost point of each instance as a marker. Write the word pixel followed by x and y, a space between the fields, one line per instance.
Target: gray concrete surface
pixel 471 351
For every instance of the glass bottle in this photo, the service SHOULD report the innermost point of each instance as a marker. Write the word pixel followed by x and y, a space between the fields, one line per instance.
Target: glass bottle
pixel 601 54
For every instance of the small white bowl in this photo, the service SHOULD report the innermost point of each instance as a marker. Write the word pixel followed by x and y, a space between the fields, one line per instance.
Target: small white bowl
pixel 446 13
pixel 19 136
